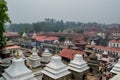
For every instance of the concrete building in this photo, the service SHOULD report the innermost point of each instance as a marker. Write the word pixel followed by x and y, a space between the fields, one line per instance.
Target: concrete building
pixel 114 43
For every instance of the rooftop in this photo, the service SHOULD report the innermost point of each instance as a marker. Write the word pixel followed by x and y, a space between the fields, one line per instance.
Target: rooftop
pixel 69 53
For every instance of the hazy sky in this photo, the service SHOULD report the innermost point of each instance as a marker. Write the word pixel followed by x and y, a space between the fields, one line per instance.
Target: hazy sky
pixel 102 11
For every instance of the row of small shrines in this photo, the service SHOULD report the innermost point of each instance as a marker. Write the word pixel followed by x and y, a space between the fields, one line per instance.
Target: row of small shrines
pixel 54 69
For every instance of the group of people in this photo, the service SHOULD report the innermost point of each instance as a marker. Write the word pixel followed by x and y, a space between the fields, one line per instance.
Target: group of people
pixel 103 71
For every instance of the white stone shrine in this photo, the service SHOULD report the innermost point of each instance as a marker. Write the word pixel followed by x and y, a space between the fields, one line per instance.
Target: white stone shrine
pixel 34 34
pixel 46 56
pixel 105 58
pixel 24 35
pixel 17 70
pixel 79 68
pixel 116 68
pixel 34 59
pixel 78 64
pixel 93 43
pixel 55 69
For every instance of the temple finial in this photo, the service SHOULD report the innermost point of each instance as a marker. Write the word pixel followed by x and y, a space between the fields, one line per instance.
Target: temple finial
pixel 56 53
pixel 17 55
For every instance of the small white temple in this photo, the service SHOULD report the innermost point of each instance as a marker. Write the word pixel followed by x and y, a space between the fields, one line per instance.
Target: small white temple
pixel 116 77
pixel 34 59
pixel 116 68
pixel 79 68
pixel 78 64
pixel 24 35
pixel 21 53
pixel 56 42
pixel 93 43
pixel 68 43
pixel 55 69
pixel 46 56
pixel 34 34
pixel 104 57
pixel 17 70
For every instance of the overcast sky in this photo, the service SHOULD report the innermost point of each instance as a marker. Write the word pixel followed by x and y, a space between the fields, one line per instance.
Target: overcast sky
pixel 101 11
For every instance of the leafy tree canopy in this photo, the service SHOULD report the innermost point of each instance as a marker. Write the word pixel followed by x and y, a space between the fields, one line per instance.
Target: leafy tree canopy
pixel 3 19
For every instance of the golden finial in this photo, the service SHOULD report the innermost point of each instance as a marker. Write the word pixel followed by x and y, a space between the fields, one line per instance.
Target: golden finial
pixel 56 53
pixel 78 52
pixel 93 52
pixel 17 55
pixel 88 43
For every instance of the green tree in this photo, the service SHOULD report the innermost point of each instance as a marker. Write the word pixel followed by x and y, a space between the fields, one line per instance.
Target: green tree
pixel 62 39
pixel 3 19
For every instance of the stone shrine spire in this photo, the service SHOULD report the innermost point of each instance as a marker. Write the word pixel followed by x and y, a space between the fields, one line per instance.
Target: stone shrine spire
pixel 24 35
pixel 78 64
pixel 46 56
pixel 79 68
pixel 105 58
pixel 34 58
pixel 92 43
pixel 55 69
pixel 34 34
pixel 17 70
pixel 116 68
pixel 93 63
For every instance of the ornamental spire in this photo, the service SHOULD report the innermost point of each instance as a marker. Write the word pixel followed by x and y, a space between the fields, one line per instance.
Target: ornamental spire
pixel 17 55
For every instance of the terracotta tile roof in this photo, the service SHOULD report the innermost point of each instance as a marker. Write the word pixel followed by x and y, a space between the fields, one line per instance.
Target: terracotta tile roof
pixel 34 37
pixel 115 31
pixel 12 47
pixel 44 38
pixel 11 34
pixel 69 53
pixel 115 41
pixel 78 38
pixel 81 42
pixel 52 38
pixel 107 48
